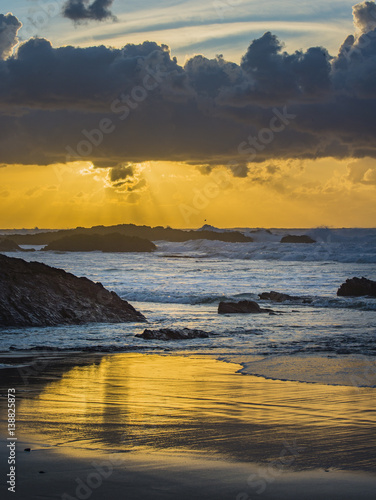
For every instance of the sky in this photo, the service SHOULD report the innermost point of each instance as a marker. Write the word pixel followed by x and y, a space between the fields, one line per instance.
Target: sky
pixel 232 113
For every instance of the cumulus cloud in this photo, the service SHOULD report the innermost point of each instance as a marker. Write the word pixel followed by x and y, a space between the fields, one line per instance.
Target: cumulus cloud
pixel 276 73
pixel 42 77
pixel 81 10
pixel 365 16
pixel 362 172
pixel 9 26
pixel 119 107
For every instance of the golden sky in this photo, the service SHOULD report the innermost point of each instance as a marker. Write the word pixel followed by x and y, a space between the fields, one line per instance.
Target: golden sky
pixel 285 194
pixel 149 134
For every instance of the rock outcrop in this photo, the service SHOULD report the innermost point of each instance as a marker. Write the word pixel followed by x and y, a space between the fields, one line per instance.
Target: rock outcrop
pixel 7 245
pixel 150 233
pixel 172 334
pixel 33 294
pixel 242 307
pixel 284 297
pixel 104 243
pixel 297 239
pixel 357 287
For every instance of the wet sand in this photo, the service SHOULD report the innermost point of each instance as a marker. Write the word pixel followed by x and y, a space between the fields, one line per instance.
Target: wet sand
pixel 177 427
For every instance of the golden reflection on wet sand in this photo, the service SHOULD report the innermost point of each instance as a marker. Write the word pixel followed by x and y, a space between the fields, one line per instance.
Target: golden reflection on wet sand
pixel 198 404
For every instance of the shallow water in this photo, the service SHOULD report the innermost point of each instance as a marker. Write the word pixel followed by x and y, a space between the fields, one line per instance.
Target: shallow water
pixel 179 404
pixel 181 284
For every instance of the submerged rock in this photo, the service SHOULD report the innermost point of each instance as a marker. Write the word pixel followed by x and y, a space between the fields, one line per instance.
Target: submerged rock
pixel 297 239
pixel 33 294
pixel 242 307
pixel 114 242
pixel 172 334
pixel 357 287
pixel 283 297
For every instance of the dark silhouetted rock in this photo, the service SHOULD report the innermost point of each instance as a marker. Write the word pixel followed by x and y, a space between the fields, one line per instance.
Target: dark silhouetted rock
pixel 283 297
pixel 158 233
pixel 7 245
pixel 255 231
pixel 33 294
pixel 170 334
pixel 242 307
pixel 104 243
pixel 297 239
pixel 357 287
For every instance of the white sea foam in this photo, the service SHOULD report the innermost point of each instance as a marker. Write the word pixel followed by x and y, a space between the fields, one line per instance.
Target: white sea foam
pixel 356 372
pixel 332 245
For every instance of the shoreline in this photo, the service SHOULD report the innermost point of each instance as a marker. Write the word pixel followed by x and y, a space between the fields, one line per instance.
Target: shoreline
pixel 188 426
pixel 357 371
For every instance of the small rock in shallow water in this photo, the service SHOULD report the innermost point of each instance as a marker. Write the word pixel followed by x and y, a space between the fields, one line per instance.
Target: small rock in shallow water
pixel 283 297
pixel 357 287
pixel 242 307
pixel 292 238
pixel 251 332
pixel 171 334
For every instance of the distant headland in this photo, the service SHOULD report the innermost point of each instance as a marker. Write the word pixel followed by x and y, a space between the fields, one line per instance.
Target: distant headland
pixel 158 233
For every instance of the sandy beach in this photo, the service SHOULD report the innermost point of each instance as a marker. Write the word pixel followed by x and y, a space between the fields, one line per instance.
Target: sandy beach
pixel 187 250
pixel 172 426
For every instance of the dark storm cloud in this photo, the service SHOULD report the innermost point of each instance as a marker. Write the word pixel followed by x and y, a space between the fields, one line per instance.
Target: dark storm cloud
pixel 285 76
pixel 81 10
pixel 121 172
pixel 9 26
pixel 115 107
pixel 126 179
pixel 73 78
pixel 355 67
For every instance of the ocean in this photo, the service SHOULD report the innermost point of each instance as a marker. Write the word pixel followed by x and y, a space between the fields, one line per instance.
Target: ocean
pixel 330 340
